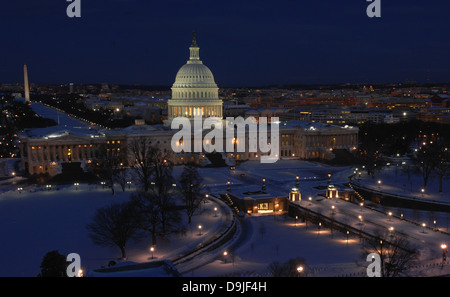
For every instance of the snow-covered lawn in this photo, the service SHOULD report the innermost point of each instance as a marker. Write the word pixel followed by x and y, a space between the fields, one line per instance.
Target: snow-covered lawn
pixel 34 223
pixel 282 240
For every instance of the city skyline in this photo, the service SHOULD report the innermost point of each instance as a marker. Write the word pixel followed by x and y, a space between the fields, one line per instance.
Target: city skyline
pixel 248 43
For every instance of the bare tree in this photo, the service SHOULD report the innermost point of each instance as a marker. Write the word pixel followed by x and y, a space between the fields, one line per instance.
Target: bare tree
pixel 397 255
pixel 158 216
pixel 109 164
pixel 191 189
pixel 141 152
pixel 424 162
pixel 122 175
pixel 147 213
pixel 440 150
pixel 113 226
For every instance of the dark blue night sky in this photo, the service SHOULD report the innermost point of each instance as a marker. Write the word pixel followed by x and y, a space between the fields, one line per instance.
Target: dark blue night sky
pixel 243 42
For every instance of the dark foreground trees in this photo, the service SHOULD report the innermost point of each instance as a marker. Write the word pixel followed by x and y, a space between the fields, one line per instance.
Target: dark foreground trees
pixel 114 226
pixel 53 265
pixel 192 190
pixel 397 254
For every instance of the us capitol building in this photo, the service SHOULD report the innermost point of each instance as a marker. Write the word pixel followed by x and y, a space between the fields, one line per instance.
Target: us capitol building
pixel 194 94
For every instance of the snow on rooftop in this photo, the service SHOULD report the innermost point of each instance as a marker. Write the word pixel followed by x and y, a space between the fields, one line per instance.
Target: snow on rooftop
pixel 60 131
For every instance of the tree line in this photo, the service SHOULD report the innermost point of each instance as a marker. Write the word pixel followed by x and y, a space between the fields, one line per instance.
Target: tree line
pixel 427 145
pixel 153 208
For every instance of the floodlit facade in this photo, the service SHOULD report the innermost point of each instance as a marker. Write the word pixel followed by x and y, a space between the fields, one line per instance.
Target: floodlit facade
pixel 194 94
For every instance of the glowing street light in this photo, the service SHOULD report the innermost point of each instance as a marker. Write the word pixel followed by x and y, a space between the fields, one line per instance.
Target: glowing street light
pixel 225 254
pixel 76 185
pixel 444 252
pixel 423 226
pixel 360 219
pixel 390 215
pixel 215 211
pixel 199 229
pixel 152 249
pixel 299 270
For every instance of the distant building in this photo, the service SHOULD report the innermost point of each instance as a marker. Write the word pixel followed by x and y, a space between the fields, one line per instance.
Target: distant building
pixel 253 200
pixel 194 93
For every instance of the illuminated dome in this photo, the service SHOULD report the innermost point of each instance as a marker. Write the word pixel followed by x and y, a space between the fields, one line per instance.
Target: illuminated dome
pixel 194 75
pixel 194 91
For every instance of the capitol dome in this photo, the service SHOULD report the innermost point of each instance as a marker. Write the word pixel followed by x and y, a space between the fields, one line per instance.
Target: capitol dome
pixel 193 75
pixel 194 91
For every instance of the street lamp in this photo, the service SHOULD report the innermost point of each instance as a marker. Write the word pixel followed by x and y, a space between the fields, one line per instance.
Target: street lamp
pixel 215 211
pixel 228 186
pixel 225 254
pixel 129 184
pixel 299 270
pixel 360 219
pixel 297 181
pixel 264 184
pixel 391 230
pixel 423 226
pixel 199 229
pixel 76 185
pixel 152 249
pixel 296 219
pixel 329 177
pixel 444 252
pixel 348 232
pixel 318 228
pixel 390 215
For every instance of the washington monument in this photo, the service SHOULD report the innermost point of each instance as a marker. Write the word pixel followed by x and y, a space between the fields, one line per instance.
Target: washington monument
pixel 26 87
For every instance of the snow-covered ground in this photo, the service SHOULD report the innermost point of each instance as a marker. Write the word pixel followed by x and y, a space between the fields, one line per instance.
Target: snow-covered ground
pixel 33 223
pixel 400 181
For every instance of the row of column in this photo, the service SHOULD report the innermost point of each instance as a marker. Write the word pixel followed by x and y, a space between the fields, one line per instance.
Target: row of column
pixel 191 111
pixel 60 153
